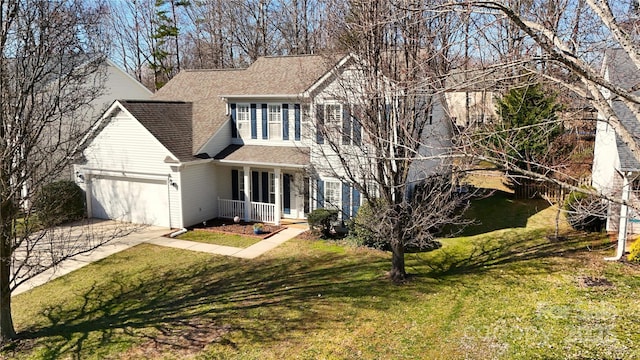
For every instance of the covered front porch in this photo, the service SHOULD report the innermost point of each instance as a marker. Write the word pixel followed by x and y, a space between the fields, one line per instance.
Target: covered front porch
pixel 263 191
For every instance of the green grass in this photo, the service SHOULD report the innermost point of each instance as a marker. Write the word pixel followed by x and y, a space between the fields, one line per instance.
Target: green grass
pixel 217 238
pixel 506 294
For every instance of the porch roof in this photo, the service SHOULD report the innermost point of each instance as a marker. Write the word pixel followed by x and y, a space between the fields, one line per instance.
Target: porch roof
pixel 286 156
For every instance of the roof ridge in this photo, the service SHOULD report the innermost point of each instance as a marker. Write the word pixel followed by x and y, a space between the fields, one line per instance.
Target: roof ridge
pixel 213 70
pixel 153 101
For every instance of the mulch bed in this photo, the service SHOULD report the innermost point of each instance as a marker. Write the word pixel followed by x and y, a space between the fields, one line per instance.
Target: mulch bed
pixel 227 226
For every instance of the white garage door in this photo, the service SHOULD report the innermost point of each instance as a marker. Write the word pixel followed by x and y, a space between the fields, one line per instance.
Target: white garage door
pixel 140 201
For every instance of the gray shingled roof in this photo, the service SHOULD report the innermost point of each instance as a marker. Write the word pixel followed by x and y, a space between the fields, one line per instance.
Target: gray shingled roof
pixel 623 73
pixel 169 121
pixel 283 75
pixel 258 154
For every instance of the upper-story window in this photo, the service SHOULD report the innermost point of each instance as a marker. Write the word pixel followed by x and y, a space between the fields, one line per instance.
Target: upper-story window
pixel 333 115
pixel 275 122
pixel 243 121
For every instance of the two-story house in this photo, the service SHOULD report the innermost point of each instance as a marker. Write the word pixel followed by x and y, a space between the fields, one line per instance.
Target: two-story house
pixel 225 143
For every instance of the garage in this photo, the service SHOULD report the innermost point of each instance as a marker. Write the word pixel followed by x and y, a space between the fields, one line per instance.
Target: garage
pixel 136 200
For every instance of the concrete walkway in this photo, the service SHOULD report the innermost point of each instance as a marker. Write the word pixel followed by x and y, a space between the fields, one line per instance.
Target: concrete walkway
pixel 251 252
pixel 154 235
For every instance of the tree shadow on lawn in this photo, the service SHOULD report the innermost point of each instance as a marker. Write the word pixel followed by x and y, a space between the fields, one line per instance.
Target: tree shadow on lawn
pixel 264 300
pixel 510 247
pixel 500 210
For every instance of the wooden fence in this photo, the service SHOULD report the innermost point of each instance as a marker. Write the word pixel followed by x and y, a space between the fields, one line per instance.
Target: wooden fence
pixel 531 189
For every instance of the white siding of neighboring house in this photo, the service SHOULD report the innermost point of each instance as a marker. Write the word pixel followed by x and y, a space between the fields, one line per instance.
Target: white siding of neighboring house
pixel 436 139
pixel 481 107
pixel 121 85
pixel 125 148
pixel 116 84
pixel 199 190
pixel 605 159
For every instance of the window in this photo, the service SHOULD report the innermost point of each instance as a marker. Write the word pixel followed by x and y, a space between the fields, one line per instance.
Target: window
pixel 307 123
pixel 331 194
pixel 243 121
pixel 275 122
pixel 333 115
pixel 240 195
pixel 272 188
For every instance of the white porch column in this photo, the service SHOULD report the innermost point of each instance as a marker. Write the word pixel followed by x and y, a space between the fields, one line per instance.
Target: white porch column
pixel 278 206
pixel 247 193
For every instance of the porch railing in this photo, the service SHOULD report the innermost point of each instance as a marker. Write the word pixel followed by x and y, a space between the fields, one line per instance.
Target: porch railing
pixel 230 208
pixel 258 211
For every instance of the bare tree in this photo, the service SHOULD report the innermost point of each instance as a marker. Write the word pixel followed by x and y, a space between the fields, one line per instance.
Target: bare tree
pixel 208 39
pixel 130 27
pixel 392 141
pixel 49 63
pixel 571 41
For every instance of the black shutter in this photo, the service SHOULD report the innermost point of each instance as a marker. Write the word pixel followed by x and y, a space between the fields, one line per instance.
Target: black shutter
pixel 319 124
pixel 296 109
pixel 285 121
pixel 234 185
pixel 320 194
pixel 234 124
pixel 355 201
pixel 346 125
pixel 346 200
pixel 265 187
pixel 357 126
pixel 265 123
pixel 255 186
pixel 254 122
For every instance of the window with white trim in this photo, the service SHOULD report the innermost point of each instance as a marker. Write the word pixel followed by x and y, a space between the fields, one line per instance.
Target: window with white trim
pixel 275 122
pixel 306 122
pixel 333 115
pixel 240 195
pixel 332 194
pixel 272 188
pixel 243 120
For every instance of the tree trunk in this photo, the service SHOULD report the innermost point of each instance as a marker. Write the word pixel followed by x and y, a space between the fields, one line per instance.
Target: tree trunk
pixel 397 273
pixel 7 332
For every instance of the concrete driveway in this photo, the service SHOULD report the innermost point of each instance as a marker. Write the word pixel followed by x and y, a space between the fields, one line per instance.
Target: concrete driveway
pixel 125 236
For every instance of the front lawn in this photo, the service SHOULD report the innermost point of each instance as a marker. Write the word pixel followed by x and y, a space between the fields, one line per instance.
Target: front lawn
pixel 217 238
pixel 506 294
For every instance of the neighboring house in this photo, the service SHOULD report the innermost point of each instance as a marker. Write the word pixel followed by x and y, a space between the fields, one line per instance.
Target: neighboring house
pixel 113 82
pixel 107 81
pixel 471 95
pixel 226 143
pixel 614 165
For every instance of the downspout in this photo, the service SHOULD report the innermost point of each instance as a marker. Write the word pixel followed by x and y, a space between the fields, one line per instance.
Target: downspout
pixel 169 185
pixel 624 213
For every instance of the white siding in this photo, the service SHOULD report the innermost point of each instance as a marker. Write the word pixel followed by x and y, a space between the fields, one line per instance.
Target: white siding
pixel 125 149
pixel 218 141
pixel 223 181
pixel 605 159
pixel 125 145
pixel 199 193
